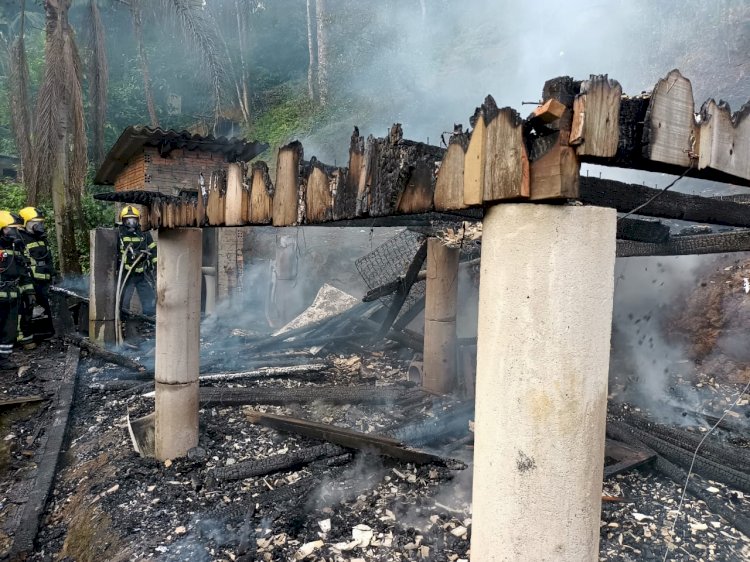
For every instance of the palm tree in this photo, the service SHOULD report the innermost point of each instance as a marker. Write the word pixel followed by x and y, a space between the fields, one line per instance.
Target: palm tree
pixel 59 135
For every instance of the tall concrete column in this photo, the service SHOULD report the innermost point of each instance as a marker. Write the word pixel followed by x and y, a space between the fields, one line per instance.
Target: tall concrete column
pixel 441 295
pixel 102 283
pixel 545 314
pixel 178 314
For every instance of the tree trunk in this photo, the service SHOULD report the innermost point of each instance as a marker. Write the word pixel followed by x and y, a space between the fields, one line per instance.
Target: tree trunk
pixel 98 78
pixel 322 39
pixel 60 136
pixel 137 14
pixel 312 73
pixel 243 95
pixel 18 95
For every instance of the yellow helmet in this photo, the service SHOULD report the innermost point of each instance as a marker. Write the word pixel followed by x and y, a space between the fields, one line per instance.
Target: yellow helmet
pixel 129 212
pixel 30 214
pixel 6 219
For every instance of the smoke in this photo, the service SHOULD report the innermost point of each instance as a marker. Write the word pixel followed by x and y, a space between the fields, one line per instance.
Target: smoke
pixel 646 365
pixel 429 70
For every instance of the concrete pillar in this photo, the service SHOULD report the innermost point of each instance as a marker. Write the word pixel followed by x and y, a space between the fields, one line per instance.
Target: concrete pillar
pixel 545 314
pixel 102 283
pixel 441 296
pixel 178 314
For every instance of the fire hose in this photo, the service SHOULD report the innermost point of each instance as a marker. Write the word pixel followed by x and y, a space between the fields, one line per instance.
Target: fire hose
pixel 119 339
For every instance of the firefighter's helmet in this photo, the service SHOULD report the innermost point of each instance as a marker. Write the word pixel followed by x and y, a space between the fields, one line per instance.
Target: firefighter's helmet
pixel 17 221
pixel 6 219
pixel 30 214
pixel 129 212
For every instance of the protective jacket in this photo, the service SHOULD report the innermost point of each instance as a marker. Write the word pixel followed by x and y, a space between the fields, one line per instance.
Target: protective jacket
pixel 38 256
pixel 133 243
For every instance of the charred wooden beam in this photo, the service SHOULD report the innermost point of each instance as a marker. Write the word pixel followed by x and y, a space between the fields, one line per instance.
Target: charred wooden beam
pixel 669 205
pixel 346 438
pixel 736 241
pixel 627 457
pixel 658 132
pixel 554 164
pixel 642 231
pixel 449 187
pixel 399 175
pixel 105 355
pixel 20 401
pixel 47 460
pixel 409 279
pixel 266 372
pixel 276 463
pixel 363 394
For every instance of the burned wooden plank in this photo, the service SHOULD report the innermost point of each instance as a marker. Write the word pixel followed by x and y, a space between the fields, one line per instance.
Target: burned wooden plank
pixel 554 165
pixel 736 241
pixel 496 164
pixel 260 209
pixel 276 463
pixel 409 278
pixel 360 394
pixel 642 230
pixel 449 187
pixel 345 437
pixel 725 139
pixel 266 372
pixel 627 457
pixel 670 133
pixel 105 355
pixel 47 460
pixel 322 183
pixel 345 201
pixel 286 194
pixel 669 205
pixel 400 174
pixel 596 116
pixel 20 401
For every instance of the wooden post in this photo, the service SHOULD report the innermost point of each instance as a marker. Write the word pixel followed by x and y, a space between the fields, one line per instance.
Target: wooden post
pixel 440 317
pixel 545 314
pixel 102 285
pixel 178 307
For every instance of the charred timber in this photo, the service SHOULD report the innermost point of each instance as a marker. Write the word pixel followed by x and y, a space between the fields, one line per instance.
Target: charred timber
pixel 621 431
pixel 736 241
pixel 686 459
pixel 348 438
pixel 105 355
pixel 728 455
pixel 642 231
pixel 364 394
pixel 669 205
pixel 276 463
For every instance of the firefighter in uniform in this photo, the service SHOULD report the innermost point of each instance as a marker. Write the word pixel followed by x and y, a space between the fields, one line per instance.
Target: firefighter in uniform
pixel 26 297
pixel 138 254
pixel 39 257
pixel 12 270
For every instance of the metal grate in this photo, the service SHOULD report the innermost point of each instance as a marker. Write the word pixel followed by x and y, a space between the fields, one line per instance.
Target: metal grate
pixel 389 261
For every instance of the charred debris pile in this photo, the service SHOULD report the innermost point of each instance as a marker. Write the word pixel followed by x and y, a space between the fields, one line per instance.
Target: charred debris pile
pixel 319 442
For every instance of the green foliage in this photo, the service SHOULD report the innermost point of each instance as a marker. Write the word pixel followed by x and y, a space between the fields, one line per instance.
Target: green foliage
pixel 289 115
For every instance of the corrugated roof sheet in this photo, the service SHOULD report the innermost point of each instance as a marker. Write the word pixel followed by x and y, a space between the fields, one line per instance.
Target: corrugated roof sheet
pixel 134 138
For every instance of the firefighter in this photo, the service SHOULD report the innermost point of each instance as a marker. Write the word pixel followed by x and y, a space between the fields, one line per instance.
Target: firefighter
pixel 138 254
pixel 26 298
pixel 12 270
pixel 39 257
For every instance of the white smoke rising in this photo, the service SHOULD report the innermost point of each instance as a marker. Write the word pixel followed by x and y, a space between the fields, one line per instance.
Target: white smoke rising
pixel 429 70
